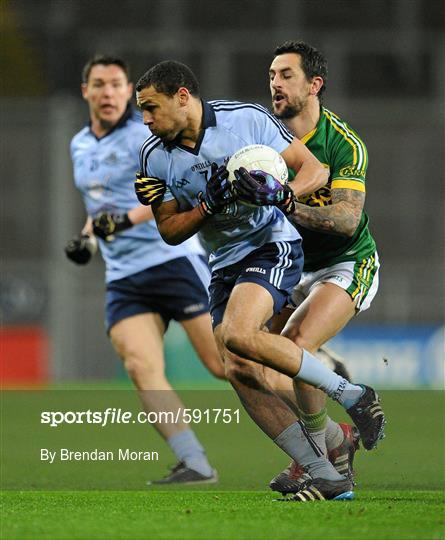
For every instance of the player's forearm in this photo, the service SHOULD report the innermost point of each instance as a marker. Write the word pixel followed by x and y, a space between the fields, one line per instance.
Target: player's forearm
pixel 139 214
pixel 311 177
pixel 340 219
pixel 176 228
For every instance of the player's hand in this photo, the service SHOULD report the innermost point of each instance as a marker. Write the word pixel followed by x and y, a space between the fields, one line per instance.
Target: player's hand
pixel 149 190
pixel 262 190
pixel 106 225
pixel 218 193
pixel 81 248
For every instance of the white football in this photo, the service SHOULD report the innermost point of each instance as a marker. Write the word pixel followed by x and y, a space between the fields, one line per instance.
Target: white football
pixel 258 157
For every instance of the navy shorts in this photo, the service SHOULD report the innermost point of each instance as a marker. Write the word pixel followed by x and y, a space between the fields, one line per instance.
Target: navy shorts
pixel 276 266
pixel 176 290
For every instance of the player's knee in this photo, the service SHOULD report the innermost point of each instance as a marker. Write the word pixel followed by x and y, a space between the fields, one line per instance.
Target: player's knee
pixel 139 369
pixel 138 365
pixel 238 342
pixel 241 371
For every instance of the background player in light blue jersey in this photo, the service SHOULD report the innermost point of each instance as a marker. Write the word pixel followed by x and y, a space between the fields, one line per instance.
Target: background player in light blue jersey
pixel 148 282
pixel 256 258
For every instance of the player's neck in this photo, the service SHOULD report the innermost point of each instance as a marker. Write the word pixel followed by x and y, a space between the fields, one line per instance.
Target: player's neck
pixel 100 128
pixel 306 121
pixel 190 134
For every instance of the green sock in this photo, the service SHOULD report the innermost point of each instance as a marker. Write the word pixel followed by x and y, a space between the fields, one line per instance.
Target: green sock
pixel 316 426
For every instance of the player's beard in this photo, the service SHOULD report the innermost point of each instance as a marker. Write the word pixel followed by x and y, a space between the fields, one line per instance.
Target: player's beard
pixel 291 110
pixel 106 125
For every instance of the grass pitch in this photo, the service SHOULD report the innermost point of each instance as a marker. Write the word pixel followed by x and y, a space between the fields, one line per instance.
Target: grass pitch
pixel 220 515
pixel 399 493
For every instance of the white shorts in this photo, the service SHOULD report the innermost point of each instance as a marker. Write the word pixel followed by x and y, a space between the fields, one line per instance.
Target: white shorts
pixel 360 279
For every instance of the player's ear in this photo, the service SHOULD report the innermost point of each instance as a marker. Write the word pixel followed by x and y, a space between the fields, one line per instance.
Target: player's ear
pixel 84 90
pixel 317 83
pixel 183 95
pixel 130 89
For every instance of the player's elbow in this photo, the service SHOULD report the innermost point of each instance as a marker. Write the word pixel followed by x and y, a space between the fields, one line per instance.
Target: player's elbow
pixel 347 232
pixel 351 227
pixel 168 237
pixel 171 241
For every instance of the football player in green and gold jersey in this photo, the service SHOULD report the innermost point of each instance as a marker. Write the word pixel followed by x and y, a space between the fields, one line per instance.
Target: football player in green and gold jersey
pixel 340 276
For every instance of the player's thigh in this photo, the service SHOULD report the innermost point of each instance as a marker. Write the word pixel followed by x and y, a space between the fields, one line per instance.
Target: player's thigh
pixel 249 307
pixel 326 310
pixel 141 337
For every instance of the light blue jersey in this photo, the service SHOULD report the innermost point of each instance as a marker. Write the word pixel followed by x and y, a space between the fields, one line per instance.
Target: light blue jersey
pixel 104 172
pixel 227 127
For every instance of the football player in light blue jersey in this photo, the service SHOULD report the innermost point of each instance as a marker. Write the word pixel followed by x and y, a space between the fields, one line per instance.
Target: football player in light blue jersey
pixel 148 282
pixel 255 257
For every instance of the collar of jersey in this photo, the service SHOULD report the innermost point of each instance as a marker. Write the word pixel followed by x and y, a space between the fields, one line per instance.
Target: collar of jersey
pixel 208 120
pixel 120 123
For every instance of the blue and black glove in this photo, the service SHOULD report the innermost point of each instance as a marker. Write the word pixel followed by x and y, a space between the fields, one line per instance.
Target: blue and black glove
pixel 149 189
pixel 218 192
pixel 261 189
pixel 106 225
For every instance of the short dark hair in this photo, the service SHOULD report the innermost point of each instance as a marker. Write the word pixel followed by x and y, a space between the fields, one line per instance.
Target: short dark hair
pixel 167 77
pixel 104 60
pixel 313 62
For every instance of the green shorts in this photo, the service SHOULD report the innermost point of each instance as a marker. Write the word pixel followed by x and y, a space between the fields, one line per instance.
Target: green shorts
pixel 360 279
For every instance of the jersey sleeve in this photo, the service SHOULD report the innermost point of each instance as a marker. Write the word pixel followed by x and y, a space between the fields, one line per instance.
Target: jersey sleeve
pixel 270 131
pixel 349 161
pixel 152 163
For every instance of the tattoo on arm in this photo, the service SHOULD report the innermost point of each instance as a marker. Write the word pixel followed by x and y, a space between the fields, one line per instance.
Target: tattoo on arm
pixel 340 218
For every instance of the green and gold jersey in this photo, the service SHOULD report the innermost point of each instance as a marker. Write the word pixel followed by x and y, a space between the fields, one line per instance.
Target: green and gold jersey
pixel 338 147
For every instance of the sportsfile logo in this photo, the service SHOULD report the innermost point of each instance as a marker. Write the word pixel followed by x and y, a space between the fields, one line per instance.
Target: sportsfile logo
pixel 256 269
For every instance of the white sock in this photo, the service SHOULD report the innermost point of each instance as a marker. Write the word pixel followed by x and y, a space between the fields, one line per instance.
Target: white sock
pixel 313 372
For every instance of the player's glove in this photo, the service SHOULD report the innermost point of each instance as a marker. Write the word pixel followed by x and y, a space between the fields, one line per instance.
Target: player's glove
pixel 149 190
pixel 80 249
pixel 262 189
pixel 218 193
pixel 106 225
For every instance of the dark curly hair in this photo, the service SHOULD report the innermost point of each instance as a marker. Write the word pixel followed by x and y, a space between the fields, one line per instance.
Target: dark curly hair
pixel 167 77
pixel 313 62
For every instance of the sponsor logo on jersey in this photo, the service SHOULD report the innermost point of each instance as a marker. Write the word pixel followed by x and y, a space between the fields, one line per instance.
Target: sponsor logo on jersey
pixel 256 269
pixel 201 166
pixel 350 170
